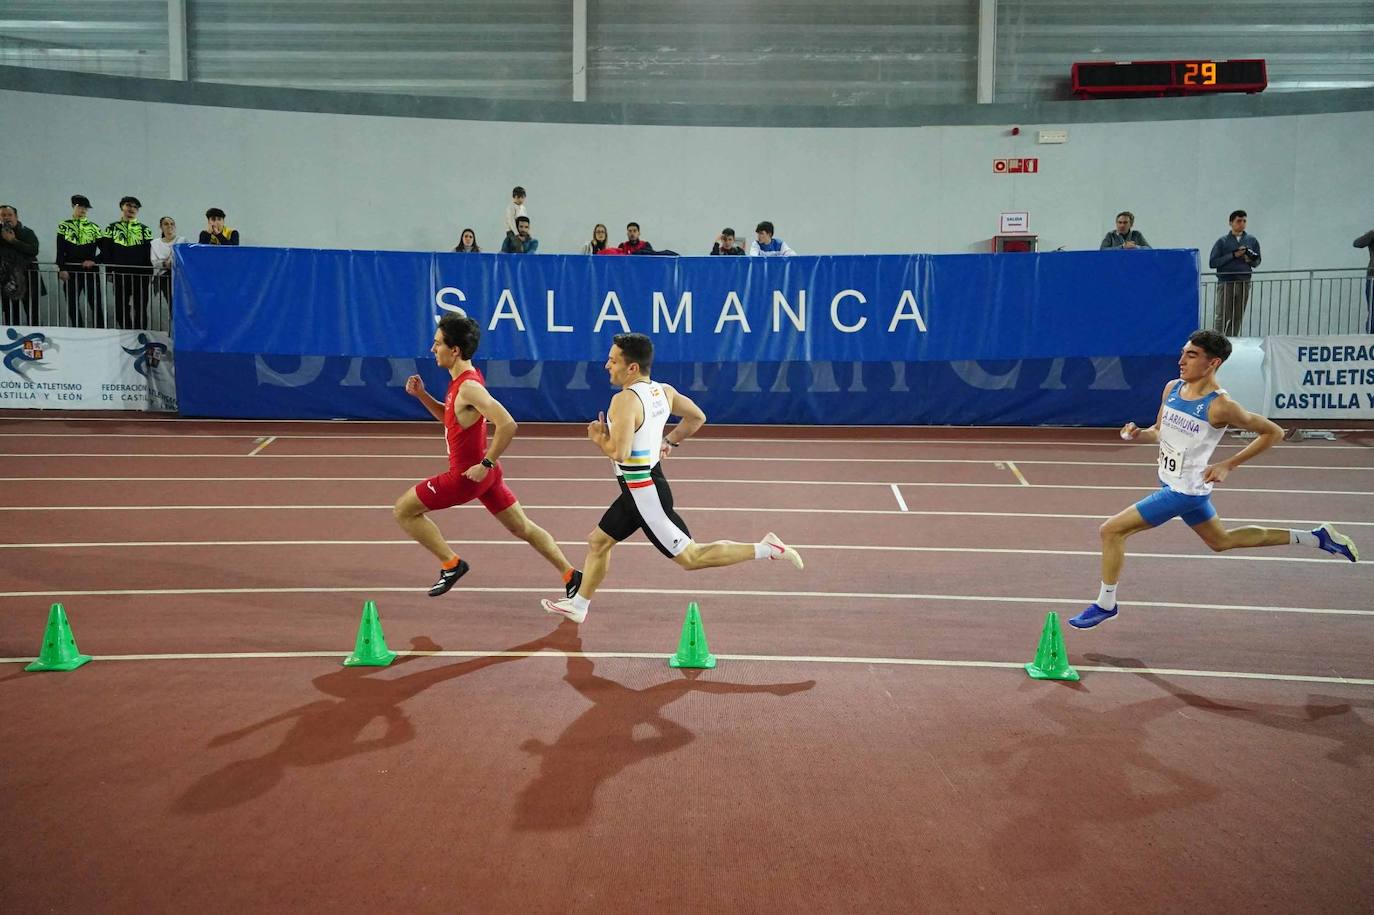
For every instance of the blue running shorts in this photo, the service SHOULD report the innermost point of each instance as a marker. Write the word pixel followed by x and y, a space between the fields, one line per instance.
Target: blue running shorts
pixel 1165 503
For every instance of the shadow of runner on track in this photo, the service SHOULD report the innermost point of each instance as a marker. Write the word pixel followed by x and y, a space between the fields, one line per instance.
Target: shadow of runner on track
pixel 328 730
pixel 1320 716
pixel 1085 775
pixel 602 741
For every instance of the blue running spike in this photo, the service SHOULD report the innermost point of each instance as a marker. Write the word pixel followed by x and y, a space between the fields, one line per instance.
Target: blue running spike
pixel 1092 616
pixel 1333 541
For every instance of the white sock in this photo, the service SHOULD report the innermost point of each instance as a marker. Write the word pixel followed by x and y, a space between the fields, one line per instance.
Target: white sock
pixel 580 602
pixel 1306 538
pixel 762 550
pixel 1106 596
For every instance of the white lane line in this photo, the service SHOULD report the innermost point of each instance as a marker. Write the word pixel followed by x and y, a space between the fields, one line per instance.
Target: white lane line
pixel 676 459
pixel 555 655
pixel 901 503
pixel 688 592
pixel 862 548
pixel 1048 516
pixel 710 439
pixel 1016 472
pixel 677 481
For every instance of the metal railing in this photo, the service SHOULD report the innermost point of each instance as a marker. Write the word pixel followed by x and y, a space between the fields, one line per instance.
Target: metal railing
pixel 1295 302
pixel 99 297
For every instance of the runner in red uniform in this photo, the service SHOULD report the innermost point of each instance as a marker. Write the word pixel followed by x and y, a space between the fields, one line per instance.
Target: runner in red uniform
pixel 473 471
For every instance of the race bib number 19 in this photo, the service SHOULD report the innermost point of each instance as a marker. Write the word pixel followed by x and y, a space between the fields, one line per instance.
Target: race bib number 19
pixel 1170 463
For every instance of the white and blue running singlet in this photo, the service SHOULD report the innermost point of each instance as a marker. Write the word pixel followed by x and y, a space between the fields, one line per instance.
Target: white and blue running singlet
pixel 1186 441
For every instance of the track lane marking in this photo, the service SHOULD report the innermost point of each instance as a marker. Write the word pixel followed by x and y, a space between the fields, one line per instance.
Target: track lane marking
pixel 556 655
pixel 858 547
pixel 680 480
pixel 687 592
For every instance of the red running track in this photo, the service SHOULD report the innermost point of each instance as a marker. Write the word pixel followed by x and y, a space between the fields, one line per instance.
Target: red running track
pixel 880 749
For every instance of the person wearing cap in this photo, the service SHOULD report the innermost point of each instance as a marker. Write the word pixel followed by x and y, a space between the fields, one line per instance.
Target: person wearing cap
pixel 126 251
pixel 78 247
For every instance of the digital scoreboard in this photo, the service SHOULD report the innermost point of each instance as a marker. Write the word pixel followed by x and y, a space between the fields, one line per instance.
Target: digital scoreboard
pixel 1168 77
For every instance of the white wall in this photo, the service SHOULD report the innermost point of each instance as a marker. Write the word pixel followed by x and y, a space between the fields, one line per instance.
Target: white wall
pixel 350 181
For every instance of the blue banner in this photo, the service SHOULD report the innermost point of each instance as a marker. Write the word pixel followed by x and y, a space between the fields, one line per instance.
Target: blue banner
pixel 1070 337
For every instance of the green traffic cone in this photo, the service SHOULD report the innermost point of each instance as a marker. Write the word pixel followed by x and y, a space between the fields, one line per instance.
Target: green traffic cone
pixel 59 646
pixel 691 645
pixel 370 649
pixel 1051 658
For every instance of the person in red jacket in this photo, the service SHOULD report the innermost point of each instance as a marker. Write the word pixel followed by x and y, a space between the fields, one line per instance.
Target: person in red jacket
pixel 633 244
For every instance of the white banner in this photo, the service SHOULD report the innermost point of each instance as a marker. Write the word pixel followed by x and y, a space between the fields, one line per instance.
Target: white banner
pixel 1319 377
pixel 74 368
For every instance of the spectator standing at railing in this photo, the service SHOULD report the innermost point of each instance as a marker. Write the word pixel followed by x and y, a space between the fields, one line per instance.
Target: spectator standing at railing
pixel 515 209
pixel 726 244
pixel 1367 241
pixel 78 246
pixel 1235 255
pixel 215 231
pixel 1124 235
pixel 126 252
pixel 467 243
pixel 161 255
pixel 766 245
pixel 19 280
pixel 520 242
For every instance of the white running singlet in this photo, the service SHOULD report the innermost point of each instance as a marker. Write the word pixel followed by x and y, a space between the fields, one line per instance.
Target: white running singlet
pixel 1186 441
pixel 648 438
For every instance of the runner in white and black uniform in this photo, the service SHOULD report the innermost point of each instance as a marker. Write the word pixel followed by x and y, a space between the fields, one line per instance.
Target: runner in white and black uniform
pixel 635 440
pixel 645 500
pixel 1193 417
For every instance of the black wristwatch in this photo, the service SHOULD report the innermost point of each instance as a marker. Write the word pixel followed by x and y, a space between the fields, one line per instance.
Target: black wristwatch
pixel 487 463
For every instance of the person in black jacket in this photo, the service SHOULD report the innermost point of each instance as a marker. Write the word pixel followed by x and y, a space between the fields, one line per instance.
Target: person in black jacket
pixel 126 252
pixel 1367 241
pixel 726 244
pixel 215 231
pixel 78 247
pixel 19 254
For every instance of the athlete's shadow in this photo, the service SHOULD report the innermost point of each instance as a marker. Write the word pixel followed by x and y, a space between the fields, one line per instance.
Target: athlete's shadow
pixel 330 730
pixel 603 740
pixel 1096 769
pixel 1319 716
pixel 1089 773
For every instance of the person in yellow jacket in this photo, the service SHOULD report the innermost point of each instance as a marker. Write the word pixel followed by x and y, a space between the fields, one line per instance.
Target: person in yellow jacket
pixel 78 248
pixel 126 252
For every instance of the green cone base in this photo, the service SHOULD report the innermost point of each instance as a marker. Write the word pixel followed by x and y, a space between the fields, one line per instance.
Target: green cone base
pixel 692 650
pixel 69 664
pixel 1038 674
pixel 1051 657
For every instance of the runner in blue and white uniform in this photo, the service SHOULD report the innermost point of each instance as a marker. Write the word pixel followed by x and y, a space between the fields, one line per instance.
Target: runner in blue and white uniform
pixel 634 438
pixel 1192 419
